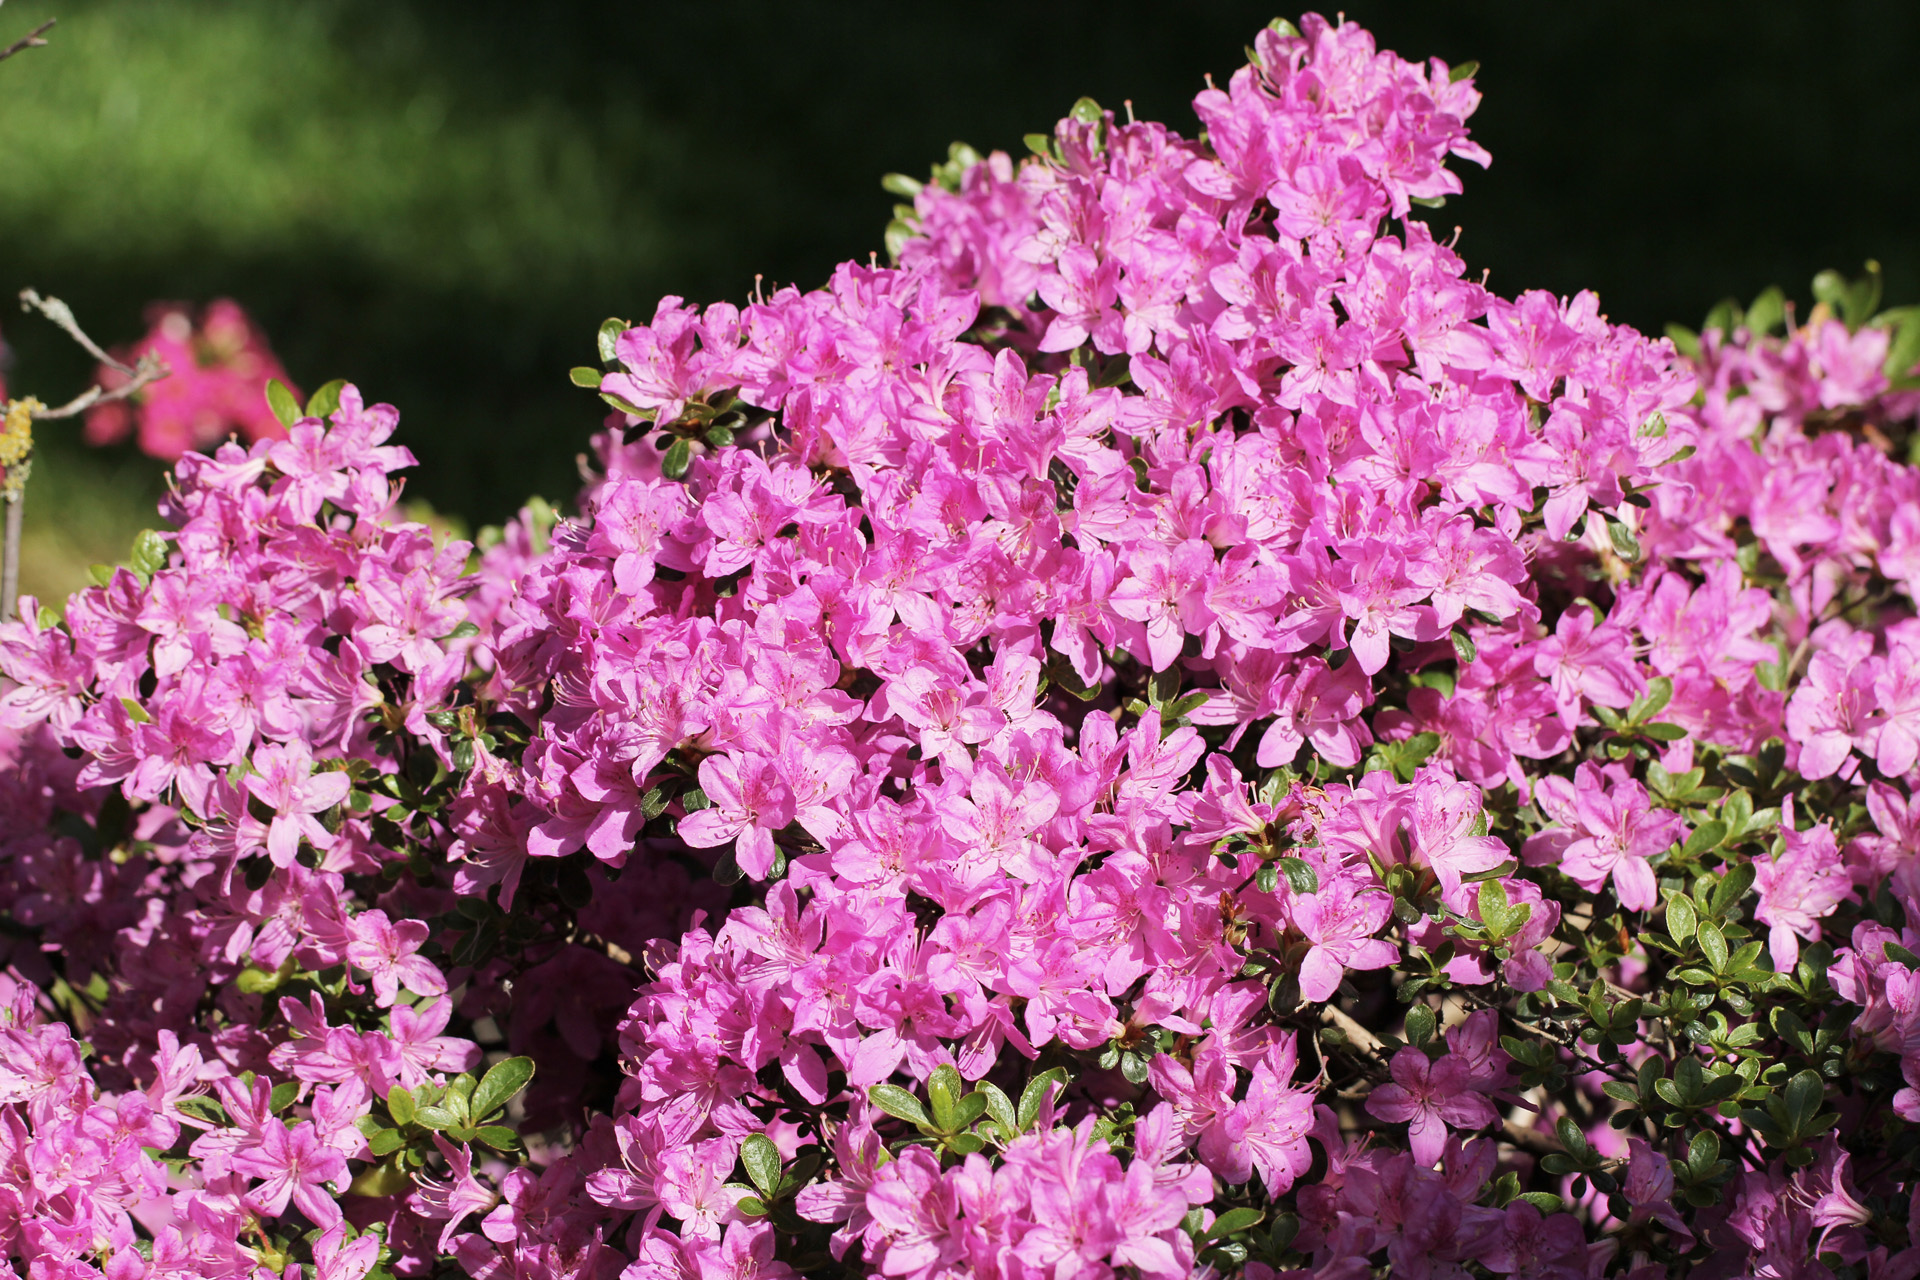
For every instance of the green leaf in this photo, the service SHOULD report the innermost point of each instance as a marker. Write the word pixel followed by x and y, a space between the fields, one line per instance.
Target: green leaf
pixel 1681 917
pixel 323 402
pixel 283 1095
pixel 1463 647
pixel 678 458
pixel 1651 703
pixel 626 406
pixel 901 185
pixel 1000 1107
pixel 1086 111
pixel 1421 1024
pixel 1663 732
pixel 1301 877
pixel 900 1104
pixel 507 1077
pixel 752 1206
pixel 386 1142
pixel 1041 144
pixel 1713 945
pixel 1465 71
pixel 497 1136
pixel 280 399
pixel 1685 340
pixel 585 375
pixel 1708 835
pixel 203 1108
pixel 1233 1222
pixel 1767 311
pixel 762 1161
pixel 1802 1099
pixel 1732 887
pixel 944 1087
pixel 1036 1093
pixel 435 1117
pixel 1903 349
pixel 610 331
pixel 150 553
pixel 400 1104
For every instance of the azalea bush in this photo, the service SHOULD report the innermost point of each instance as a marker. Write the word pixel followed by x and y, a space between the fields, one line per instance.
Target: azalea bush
pixel 1167 732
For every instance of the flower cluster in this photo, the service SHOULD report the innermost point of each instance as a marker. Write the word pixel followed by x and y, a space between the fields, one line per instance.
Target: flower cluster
pixel 1167 732
pixel 219 372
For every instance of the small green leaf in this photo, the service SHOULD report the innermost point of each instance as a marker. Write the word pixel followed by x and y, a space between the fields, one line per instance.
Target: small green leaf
pixel 1463 647
pixel 752 1206
pixel 944 1088
pixel 497 1136
pixel 1420 1024
pixel 1301 877
pixel 762 1161
pixel 283 1095
pixel 1767 311
pixel 1713 945
pixel 386 1142
pixel 1036 1093
pixel 322 403
pixel 281 400
pixel 149 554
pixel 1624 543
pixel 1651 703
pixel 1681 917
pixel 900 1104
pixel 679 456
pixel 901 185
pixel 435 1117
pixel 506 1078
pixel 1086 111
pixel 610 331
pixel 1000 1107
pixel 1708 835
pixel 1465 71
pixel 138 714
pixel 585 375
pixel 1233 1222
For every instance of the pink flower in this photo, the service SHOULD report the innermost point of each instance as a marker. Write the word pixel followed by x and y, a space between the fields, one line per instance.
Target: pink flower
pixel 296 1166
pixel 1806 883
pixel 388 953
pixel 1607 832
pixel 456 1197
pixel 1429 1096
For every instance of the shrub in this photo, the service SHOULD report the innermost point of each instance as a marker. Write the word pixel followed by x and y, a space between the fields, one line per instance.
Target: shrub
pixel 1169 731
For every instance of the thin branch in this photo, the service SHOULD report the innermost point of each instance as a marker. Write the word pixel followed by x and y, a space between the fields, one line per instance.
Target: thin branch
pixel 61 314
pixel 31 40
pixel 149 368
pixel 10 567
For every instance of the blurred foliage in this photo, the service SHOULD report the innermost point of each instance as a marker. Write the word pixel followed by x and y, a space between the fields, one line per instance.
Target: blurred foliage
pixel 441 199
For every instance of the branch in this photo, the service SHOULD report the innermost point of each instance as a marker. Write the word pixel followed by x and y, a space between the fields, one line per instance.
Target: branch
pixel 31 40
pixel 61 314
pixel 149 368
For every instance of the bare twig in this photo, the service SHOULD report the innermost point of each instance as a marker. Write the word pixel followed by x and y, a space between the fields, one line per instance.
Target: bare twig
pixel 31 40
pixel 149 367
pixel 61 314
pixel 10 569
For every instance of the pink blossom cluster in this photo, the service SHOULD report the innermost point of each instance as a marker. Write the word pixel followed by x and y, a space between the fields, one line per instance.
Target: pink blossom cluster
pixel 219 370
pixel 241 702
pixel 1170 731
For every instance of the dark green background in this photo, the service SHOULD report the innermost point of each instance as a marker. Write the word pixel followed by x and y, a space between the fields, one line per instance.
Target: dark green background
pixel 442 200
